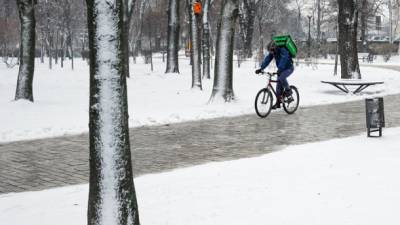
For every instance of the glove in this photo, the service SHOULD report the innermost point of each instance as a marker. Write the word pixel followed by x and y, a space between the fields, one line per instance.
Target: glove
pixel 258 71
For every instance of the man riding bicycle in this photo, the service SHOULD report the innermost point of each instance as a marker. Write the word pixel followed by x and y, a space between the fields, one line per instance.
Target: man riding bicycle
pixel 284 63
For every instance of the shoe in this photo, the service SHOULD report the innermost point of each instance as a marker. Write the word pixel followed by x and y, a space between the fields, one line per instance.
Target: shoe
pixel 276 106
pixel 288 92
pixel 289 99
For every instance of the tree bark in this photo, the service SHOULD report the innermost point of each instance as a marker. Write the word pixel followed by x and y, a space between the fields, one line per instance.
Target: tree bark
pixel 56 49
pixel 127 17
pixel 196 47
pixel 206 40
pixel 347 19
pixel 336 53
pixel 223 73
pixel 246 25
pixel 26 9
pixel 71 45
pixel 318 23
pixel 364 24
pixel 173 37
pixel 112 197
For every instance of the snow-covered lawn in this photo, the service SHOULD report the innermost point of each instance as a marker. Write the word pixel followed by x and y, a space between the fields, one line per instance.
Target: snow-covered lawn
pixel 378 61
pixel 62 96
pixel 351 181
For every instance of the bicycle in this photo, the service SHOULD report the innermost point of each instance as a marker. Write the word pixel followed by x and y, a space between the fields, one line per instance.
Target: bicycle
pixel 266 96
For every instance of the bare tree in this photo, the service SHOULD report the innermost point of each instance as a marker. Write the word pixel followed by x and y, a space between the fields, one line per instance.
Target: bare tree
pixel 271 16
pixel 206 40
pixel 299 8
pixel 195 21
pixel 348 20
pixel 173 37
pixel 129 6
pixel 8 34
pixel 223 73
pixel 319 15
pixel 112 197
pixel 26 10
pixel 247 13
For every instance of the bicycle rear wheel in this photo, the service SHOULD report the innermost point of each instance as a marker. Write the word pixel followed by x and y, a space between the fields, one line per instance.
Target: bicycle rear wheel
pixel 291 103
pixel 263 103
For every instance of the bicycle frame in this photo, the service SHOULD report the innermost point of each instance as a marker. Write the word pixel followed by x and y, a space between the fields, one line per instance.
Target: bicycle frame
pixel 270 81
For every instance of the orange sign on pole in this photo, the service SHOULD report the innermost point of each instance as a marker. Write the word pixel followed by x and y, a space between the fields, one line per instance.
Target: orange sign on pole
pixel 197 8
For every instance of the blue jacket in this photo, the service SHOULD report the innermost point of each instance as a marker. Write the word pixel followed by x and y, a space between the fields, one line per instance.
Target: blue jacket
pixel 282 58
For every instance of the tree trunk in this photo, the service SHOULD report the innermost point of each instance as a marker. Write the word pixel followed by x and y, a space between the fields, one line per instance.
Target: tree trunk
pixel 26 9
pixel 127 16
pixel 196 47
pixel 223 77
pixel 72 54
pixel 390 22
pixel 56 47
pixel 246 25
pixel 364 24
pixel 318 23
pixel 337 53
pixel 173 37
pixel 50 53
pixel 42 53
pixel 112 197
pixel 71 47
pixel 347 18
pixel 206 40
pixel 298 22
pixel 62 50
pixel 260 54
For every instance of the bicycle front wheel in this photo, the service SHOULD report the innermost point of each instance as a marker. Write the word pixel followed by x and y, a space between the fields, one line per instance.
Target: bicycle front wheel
pixel 291 103
pixel 263 103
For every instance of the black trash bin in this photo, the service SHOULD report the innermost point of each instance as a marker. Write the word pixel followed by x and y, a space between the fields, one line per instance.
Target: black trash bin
pixel 375 115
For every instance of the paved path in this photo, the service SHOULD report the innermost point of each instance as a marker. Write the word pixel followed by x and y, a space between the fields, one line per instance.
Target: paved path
pixel 41 164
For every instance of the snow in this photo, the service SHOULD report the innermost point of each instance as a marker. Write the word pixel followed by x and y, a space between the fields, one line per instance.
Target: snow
pixel 343 181
pixel 61 96
pixel 108 106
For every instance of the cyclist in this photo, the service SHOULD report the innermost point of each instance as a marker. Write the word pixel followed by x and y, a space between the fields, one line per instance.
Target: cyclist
pixel 284 63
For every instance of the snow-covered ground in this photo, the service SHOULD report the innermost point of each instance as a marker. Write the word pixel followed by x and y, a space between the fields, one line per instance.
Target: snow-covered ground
pixel 351 181
pixel 62 96
pixel 378 61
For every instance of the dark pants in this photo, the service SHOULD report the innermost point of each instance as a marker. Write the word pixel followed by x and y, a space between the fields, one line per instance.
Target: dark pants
pixel 282 83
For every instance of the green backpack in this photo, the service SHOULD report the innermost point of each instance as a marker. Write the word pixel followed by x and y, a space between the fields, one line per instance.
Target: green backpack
pixel 287 42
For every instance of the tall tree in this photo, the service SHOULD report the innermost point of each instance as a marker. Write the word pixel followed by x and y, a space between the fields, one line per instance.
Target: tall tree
pixel 364 24
pixel 223 73
pixel 206 40
pixel 129 6
pixel 319 12
pixel 348 20
pixel 195 21
pixel 112 197
pixel 173 37
pixel 247 9
pixel 26 9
